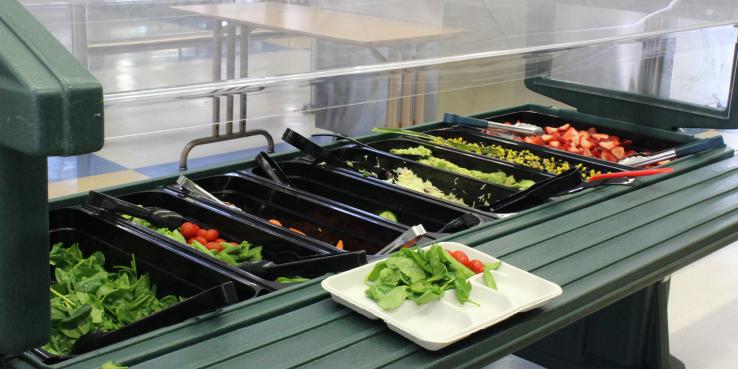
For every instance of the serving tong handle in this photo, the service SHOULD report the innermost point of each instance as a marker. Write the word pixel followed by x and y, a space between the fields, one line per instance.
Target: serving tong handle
pixel 526 129
pixel 409 238
pixel 192 188
pixel 311 148
pixel 677 152
pixel 158 216
pixel 272 169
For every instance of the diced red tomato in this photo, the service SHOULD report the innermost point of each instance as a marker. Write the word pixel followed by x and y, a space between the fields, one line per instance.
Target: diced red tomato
pixel 586 143
pixel 591 130
pixel 606 155
pixel 596 152
pixel 537 140
pixel 564 127
pixel 586 152
pixel 607 145
pixel 573 149
pixel 551 130
pixel 528 139
pixel 618 152
pixel 583 134
pixel 554 144
pixel 571 135
pixel 600 136
pixel 547 138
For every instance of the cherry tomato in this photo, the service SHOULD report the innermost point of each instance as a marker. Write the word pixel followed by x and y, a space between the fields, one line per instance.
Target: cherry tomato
pixel 220 240
pixel 233 243
pixel 201 232
pixel 460 256
pixel 477 266
pixel 214 246
pixel 189 241
pixel 201 240
pixel 188 229
pixel 212 234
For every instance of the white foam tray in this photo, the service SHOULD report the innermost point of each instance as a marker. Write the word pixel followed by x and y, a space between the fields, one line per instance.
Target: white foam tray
pixel 438 324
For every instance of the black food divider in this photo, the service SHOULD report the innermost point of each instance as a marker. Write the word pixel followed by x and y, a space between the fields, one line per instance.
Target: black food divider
pixel 263 200
pixel 370 196
pixel 465 160
pixel 475 193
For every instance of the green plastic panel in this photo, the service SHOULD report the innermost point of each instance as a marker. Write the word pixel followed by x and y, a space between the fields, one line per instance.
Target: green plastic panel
pixel 640 109
pixel 49 103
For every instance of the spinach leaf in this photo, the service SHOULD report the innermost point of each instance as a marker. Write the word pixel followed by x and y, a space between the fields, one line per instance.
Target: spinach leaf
pixel 87 297
pixel 394 298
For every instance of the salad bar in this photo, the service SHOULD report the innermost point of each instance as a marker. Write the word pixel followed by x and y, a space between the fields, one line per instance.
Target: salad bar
pixel 332 210
pixel 549 233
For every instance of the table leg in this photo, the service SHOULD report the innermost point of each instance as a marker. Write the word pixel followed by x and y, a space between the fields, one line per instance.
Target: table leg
pixel 243 73
pixel 217 76
pixel 630 333
pixel 392 87
pixel 230 108
pixel 408 79
pixel 422 77
pixel 230 74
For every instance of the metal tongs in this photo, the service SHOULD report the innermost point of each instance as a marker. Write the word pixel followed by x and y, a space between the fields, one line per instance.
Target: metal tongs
pixel 525 129
pixel 678 152
pixel 193 189
pixel 567 183
pixel 406 239
pixel 160 217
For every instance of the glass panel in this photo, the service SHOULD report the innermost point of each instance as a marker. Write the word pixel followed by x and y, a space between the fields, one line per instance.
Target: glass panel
pixel 349 65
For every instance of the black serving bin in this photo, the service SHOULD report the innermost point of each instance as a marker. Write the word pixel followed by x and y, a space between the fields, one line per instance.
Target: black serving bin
pixel 370 196
pixel 473 136
pixel 320 222
pixel 465 160
pixel 278 245
pixel 473 192
pixel 641 142
pixel 173 272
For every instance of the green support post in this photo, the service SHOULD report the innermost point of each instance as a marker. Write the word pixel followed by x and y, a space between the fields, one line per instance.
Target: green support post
pixel 49 105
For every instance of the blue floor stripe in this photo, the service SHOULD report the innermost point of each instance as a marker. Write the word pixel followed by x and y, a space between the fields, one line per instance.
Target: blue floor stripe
pixel 62 168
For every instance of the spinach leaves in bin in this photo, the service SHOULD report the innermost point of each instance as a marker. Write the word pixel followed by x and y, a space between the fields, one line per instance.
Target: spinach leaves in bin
pixel 88 297
pixel 231 253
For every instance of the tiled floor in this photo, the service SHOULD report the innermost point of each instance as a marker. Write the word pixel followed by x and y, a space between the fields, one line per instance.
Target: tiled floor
pixel 145 142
